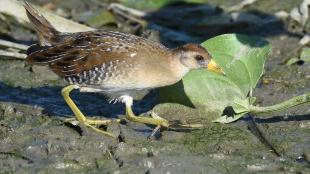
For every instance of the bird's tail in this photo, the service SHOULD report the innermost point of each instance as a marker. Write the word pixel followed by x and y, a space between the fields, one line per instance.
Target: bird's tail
pixel 46 32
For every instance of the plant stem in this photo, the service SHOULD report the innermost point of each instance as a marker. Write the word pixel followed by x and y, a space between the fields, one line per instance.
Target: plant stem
pixel 295 101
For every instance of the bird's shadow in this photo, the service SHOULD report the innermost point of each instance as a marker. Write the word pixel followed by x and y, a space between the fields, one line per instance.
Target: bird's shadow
pixel 91 104
pixel 50 99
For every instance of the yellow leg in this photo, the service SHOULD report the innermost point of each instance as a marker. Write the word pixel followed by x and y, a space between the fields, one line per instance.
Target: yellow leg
pixel 158 121
pixel 146 120
pixel 80 116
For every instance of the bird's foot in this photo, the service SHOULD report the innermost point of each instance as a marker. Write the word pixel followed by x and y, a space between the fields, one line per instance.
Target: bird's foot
pixel 156 120
pixel 93 124
pixel 153 120
pixel 90 121
pixel 79 116
pixel 162 122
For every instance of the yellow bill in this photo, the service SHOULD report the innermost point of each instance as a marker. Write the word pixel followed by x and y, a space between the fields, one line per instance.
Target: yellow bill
pixel 212 66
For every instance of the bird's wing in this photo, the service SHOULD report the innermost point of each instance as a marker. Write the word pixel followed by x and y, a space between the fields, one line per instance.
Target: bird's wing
pixel 85 50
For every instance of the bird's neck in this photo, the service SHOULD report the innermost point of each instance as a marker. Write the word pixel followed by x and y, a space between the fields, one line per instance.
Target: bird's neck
pixel 177 67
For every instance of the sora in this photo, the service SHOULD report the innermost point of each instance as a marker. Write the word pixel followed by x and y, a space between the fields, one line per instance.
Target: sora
pixel 113 63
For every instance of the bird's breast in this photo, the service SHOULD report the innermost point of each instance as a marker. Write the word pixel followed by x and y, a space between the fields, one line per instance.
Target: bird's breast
pixel 126 74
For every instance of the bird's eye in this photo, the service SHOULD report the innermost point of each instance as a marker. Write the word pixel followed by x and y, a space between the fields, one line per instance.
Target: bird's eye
pixel 199 58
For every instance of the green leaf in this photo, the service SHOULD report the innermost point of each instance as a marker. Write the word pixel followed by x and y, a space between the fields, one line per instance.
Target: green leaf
pixel 239 107
pixel 242 59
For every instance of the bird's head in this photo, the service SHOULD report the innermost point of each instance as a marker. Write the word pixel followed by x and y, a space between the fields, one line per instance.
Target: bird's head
pixel 194 56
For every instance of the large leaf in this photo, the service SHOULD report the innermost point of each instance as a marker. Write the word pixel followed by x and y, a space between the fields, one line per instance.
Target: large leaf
pixel 242 59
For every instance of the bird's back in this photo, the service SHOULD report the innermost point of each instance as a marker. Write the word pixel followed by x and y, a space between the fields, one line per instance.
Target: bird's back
pixel 82 51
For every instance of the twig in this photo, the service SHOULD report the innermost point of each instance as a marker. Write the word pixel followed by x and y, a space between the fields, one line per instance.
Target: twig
pixel 124 13
pixel 15 8
pixel 241 5
pixel 12 55
pixel 136 16
pixel 9 44
pixel 120 7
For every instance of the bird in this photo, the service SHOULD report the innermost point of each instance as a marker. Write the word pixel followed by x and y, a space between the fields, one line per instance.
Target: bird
pixel 113 63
